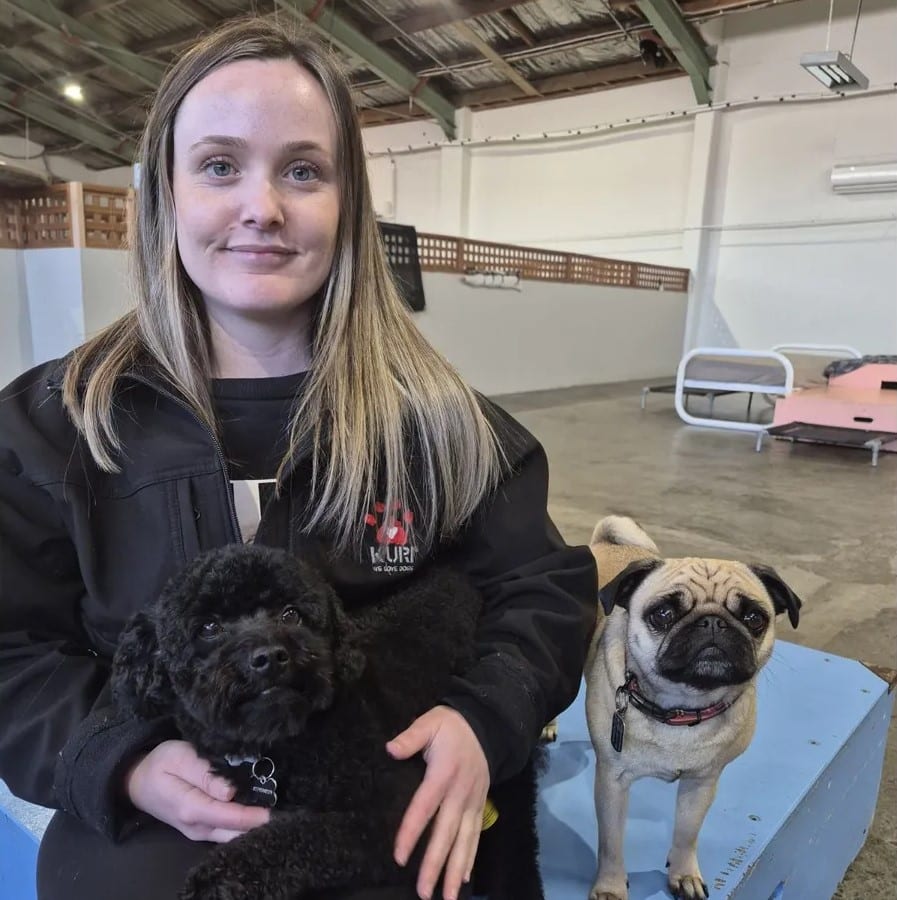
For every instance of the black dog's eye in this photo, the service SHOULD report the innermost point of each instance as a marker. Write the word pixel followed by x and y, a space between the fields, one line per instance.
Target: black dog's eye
pixel 290 616
pixel 663 616
pixel 210 629
pixel 755 620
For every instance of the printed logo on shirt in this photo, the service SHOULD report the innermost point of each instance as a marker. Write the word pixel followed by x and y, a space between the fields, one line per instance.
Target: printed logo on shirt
pixel 391 549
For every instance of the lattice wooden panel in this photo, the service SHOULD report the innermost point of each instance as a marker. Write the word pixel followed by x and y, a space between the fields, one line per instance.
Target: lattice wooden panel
pixel 10 223
pixel 442 253
pixel 105 217
pixel 46 218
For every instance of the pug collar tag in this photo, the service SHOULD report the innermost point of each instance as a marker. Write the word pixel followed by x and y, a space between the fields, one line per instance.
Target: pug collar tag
pixel 255 779
pixel 618 724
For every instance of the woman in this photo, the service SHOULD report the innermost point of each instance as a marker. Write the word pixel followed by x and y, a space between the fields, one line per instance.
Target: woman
pixel 269 385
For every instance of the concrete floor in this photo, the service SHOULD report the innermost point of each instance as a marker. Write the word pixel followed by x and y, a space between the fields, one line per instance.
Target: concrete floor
pixel 822 516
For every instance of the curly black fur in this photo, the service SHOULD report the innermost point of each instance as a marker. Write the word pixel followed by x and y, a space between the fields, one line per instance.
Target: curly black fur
pixel 252 653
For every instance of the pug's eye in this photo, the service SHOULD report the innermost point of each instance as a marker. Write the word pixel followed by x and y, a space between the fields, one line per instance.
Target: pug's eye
pixel 755 620
pixel 290 616
pixel 663 616
pixel 210 629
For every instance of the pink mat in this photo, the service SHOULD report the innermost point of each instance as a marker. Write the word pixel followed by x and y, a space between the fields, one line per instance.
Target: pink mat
pixel 854 400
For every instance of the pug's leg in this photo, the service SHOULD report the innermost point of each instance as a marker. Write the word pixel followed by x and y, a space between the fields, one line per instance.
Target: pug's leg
pixel 611 805
pixel 692 802
pixel 550 732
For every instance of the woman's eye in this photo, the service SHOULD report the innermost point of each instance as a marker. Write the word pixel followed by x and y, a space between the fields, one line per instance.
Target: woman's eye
pixel 303 172
pixel 219 168
pixel 210 629
pixel 662 616
pixel 290 616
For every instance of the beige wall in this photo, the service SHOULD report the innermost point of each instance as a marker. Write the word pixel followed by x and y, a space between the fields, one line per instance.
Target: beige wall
pixel 552 335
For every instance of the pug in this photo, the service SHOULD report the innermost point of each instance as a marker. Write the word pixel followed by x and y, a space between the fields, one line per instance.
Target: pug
pixel 670 685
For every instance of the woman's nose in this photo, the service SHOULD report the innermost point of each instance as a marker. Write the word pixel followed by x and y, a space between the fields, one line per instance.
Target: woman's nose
pixel 262 205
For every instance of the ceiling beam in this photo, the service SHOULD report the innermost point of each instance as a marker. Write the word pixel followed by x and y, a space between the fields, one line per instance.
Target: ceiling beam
pixel 123 149
pixel 516 24
pixel 350 40
pixel 90 39
pixel 501 64
pixel 580 82
pixel 589 79
pixel 435 14
pixel 684 41
pixel 26 33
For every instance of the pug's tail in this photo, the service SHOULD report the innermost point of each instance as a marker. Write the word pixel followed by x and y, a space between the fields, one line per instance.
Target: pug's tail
pixel 622 530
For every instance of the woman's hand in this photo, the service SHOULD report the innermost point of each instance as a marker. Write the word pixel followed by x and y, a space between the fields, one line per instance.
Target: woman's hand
pixel 176 786
pixel 454 790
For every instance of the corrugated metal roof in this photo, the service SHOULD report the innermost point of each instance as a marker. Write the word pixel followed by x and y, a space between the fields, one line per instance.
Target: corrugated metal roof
pixel 537 39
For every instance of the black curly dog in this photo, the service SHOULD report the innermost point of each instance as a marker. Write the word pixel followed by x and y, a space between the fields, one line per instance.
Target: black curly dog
pixel 251 651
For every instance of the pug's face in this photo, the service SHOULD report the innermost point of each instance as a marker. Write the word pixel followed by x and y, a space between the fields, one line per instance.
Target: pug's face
pixel 702 623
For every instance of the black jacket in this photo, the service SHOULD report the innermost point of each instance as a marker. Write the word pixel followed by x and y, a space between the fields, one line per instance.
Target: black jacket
pixel 81 550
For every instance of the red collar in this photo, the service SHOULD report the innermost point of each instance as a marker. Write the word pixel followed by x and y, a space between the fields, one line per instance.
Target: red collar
pixel 668 716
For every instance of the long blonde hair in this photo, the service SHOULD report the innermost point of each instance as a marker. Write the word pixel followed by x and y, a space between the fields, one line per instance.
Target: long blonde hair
pixel 378 393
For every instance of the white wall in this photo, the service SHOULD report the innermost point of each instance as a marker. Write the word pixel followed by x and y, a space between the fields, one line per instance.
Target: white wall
pixel 551 335
pixel 55 303
pixel 104 288
pixel 15 323
pixel 53 299
pixel 695 189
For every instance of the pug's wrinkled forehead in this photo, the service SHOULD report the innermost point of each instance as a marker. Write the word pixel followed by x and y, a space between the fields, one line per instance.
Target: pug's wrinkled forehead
pixel 698 580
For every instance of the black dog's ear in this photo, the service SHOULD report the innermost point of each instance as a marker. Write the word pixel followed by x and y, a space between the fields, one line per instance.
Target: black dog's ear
pixel 619 591
pixel 783 598
pixel 348 660
pixel 139 682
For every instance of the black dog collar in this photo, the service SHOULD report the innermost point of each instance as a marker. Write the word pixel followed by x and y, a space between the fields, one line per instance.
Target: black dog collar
pixel 254 780
pixel 629 693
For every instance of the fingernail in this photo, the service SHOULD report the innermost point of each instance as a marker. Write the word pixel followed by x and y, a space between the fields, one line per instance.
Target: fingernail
pixel 401 859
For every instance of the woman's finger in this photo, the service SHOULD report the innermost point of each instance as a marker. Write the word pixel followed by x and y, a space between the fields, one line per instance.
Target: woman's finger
pixel 420 810
pixel 442 839
pixel 460 860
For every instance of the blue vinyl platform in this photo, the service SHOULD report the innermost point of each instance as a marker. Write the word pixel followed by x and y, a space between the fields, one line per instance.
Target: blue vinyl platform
pixel 790 815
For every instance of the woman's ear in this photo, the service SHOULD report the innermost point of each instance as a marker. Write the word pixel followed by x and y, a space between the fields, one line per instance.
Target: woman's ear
pixel 140 683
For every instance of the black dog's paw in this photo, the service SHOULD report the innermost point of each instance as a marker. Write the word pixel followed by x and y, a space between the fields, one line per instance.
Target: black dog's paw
pixel 211 883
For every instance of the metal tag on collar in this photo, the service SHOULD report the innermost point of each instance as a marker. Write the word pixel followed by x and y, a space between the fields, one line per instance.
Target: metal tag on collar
pixel 262 784
pixel 618 725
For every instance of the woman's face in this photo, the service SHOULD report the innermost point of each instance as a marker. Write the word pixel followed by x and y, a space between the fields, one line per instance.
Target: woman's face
pixel 255 188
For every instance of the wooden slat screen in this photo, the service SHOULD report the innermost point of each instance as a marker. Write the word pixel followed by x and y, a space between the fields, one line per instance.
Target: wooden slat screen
pixel 442 253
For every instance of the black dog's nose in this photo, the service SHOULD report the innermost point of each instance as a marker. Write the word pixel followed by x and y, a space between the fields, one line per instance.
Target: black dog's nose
pixel 264 660
pixel 714 623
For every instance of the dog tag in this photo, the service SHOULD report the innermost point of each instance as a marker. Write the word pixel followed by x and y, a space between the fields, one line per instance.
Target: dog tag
pixel 618 725
pixel 262 784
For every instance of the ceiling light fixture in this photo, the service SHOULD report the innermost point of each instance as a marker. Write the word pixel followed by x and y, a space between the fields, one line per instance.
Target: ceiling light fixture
pixel 73 92
pixel 834 69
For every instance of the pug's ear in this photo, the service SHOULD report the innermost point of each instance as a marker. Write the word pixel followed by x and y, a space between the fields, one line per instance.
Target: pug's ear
pixel 619 591
pixel 783 598
pixel 140 683
pixel 348 660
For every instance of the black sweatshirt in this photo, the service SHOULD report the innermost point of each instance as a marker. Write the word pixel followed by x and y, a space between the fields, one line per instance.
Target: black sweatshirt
pixel 81 550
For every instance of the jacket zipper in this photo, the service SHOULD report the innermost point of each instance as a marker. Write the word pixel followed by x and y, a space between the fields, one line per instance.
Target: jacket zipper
pixel 222 460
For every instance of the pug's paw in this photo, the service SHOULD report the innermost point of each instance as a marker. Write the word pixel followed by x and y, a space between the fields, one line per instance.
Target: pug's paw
pixel 684 877
pixel 688 887
pixel 610 888
pixel 550 732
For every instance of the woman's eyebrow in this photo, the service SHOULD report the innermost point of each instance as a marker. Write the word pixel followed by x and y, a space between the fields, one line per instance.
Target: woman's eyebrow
pixel 224 140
